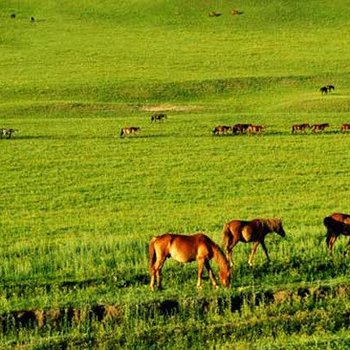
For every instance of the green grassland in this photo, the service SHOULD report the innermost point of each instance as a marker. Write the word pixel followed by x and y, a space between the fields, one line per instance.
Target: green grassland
pixel 79 204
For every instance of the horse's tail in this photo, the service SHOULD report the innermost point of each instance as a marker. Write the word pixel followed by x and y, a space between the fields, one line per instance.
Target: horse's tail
pixel 121 132
pixel 226 237
pixel 152 254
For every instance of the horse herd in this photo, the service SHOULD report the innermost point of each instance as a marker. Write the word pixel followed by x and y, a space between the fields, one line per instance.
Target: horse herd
pixel 237 129
pixel 199 247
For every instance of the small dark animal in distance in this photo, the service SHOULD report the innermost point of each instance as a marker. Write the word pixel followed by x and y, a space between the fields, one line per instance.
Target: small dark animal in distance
pixel 319 127
pixel 158 117
pixel 221 130
pixel 300 128
pixel 7 132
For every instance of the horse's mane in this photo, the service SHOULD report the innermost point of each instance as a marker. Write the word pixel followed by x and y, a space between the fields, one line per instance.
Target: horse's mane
pixel 271 224
pixel 220 257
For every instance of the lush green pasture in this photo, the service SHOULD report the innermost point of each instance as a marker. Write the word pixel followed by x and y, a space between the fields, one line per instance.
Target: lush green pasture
pixel 79 203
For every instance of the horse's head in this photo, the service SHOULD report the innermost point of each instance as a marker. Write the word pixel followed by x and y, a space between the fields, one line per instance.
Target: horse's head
pixel 225 277
pixel 279 228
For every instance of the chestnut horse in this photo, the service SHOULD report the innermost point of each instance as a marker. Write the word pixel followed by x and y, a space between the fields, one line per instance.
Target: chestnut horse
pixel 187 249
pixel 319 127
pixel 130 130
pixel 250 231
pixel 336 225
pixel 345 127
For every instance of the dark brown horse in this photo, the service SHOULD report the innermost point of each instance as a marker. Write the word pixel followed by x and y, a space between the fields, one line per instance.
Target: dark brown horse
pixel 240 128
pixel 299 128
pixel 319 127
pixel 221 130
pixel 185 249
pixel 250 231
pixel 337 224
pixel 129 130
pixel 158 117
pixel 7 133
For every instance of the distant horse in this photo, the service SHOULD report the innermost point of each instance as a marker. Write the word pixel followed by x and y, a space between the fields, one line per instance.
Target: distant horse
pixel 158 117
pixel 235 12
pixel 255 129
pixel 240 128
pixel 299 128
pixel 186 249
pixel 129 130
pixel 336 225
pixel 319 127
pixel 7 132
pixel 250 231
pixel 221 130
pixel 324 90
pixel 345 127
pixel 214 14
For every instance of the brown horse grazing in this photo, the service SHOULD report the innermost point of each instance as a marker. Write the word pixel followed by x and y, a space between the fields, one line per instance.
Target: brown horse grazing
pixel 250 231
pixel 129 130
pixel 299 128
pixel 345 127
pixel 336 225
pixel 319 127
pixel 255 129
pixel 221 130
pixel 186 249
pixel 240 128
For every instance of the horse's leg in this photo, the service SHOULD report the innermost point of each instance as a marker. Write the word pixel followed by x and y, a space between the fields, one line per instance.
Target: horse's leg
pixel 211 274
pixel 250 260
pixel 265 250
pixel 158 271
pixel 331 244
pixel 200 272
pixel 346 249
pixel 229 251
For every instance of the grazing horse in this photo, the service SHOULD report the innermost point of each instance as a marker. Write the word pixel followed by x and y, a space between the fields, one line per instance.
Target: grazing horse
pixel 240 128
pixel 158 117
pixel 324 90
pixel 250 231
pixel 255 129
pixel 221 130
pixel 129 130
pixel 7 132
pixel 299 128
pixel 319 127
pixel 214 14
pixel 336 225
pixel 186 249
pixel 345 127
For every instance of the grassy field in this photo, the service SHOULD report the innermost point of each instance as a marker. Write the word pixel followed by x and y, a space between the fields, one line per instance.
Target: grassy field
pixel 79 204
